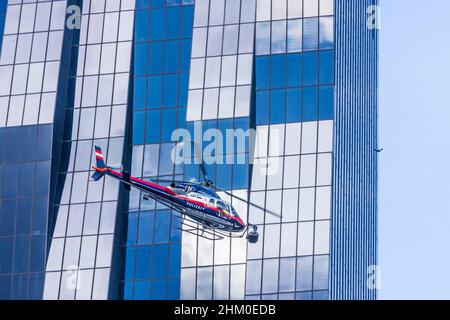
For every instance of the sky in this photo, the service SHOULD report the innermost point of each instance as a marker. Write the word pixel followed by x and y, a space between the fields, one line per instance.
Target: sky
pixel 414 173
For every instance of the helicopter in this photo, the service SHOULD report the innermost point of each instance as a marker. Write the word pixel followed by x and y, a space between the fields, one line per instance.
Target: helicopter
pixel 209 216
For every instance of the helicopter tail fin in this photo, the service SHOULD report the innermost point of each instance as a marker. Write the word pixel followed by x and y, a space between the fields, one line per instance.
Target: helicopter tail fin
pixel 100 164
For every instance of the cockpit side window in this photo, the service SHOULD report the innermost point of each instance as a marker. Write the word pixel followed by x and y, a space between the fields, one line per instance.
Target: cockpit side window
pixel 222 206
pixel 211 202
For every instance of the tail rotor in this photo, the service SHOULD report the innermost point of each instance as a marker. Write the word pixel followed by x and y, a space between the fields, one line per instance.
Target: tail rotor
pixel 100 164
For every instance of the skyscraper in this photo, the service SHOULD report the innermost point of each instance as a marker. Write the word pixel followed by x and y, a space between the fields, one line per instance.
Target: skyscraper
pixel 301 73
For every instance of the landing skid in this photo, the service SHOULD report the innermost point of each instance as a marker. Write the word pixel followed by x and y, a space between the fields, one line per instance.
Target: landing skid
pixel 207 232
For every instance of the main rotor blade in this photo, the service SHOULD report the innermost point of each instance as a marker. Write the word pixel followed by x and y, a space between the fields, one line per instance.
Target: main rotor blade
pixel 250 203
pixel 199 154
pixel 176 181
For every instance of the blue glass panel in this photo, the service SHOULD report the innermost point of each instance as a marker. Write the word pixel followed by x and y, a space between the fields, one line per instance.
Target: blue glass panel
pixel 142 4
pixel 128 291
pixel 158 3
pixel 42 178
pixel 12 143
pixel 183 89
pixel 224 176
pixel 154 91
pixel 294 70
pixel 138 127
pixel 222 125
pixel 277 106
pixel 170 90
pixel 326 36
pixel 278 36
pixel 310 104
pixel 187 20
pixel 5 287
pixel 185 55
pixel 172 22
pixel 326 100
pixel 157 24
pixel 278 71
pixel 152 134
pixel 310 34
pixel 262 107
pixel 262 72
pixel 2 136
pixel 303 296
pixel 158 290
pixel 171 57
pixel 166 165
pixel 39 220
pixel 294 105
pixel 295 35
pixel 262 45
pixel 142 24
pixel 181 120
pixel 240 176
pixel 129 263
pixel 141 290
pixel 175 234
pixel 26 179
pixel 44 142
pixel 132 228
pixel 173 289
pixel 191 171
pixel 19 288
pixel 140 58
pixel 36 286
pixel 139 99
pixel 6 249
pixel 310 68
pixel 160 254
pixel 320 295
pixel 169 124
pixel 10 179
pixel 242 123
pixel 162 226
pixel 173 2
pixel 21 258
pixel 37 257
pixel 143 262
pixel 8 211
pixel 146 220
pixel 326 59
pixel 29 134
pixel 156 58
pixel 174 260
pixel 23 217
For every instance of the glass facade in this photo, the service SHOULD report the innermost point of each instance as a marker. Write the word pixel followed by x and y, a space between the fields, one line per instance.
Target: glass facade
pixel 163 33
pixel 355 164
pixel 29 70
pixel 79 264
pixel 25 154
pixel 300 73
pixel 292 167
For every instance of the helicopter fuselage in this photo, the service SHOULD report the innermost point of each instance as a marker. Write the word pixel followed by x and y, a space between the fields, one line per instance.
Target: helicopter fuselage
pixel 200 204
